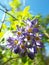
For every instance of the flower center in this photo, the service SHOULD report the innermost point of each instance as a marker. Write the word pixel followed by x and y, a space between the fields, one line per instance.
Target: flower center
pixel 16 42
pixel 22 46
pixel 28 37
pixel 30 30
pixel 37 38
pixel 19 33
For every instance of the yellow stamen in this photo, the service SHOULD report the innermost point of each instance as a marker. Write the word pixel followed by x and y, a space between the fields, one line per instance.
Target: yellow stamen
pixel 37 38
pixel 16 41
pixel 22 46
pixel 19 33
pixel 28 37
pixel 30 30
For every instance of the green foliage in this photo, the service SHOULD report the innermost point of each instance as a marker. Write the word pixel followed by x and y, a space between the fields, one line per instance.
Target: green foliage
pixel 14 4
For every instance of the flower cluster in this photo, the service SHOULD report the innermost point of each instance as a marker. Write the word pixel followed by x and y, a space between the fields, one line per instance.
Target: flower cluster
pixel 27 39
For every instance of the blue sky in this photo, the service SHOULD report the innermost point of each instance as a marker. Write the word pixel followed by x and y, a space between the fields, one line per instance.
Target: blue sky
pixel 36 7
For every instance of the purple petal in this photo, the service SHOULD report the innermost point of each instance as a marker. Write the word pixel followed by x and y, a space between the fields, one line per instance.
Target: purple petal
pixel 31 55
pixel 34 22
pixel 35 30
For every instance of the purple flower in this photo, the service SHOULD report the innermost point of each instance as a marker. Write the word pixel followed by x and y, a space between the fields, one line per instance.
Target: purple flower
pixel 17 50
pixel 31 55
pixel 10 40
pixel 34 22
pixel 27 39
pixel 39 44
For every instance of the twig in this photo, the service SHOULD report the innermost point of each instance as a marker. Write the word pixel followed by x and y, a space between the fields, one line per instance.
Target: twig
pixel 10 60
pixel 6 11
pixel 3 19
pixel 3 7
pixel 7 61
pixel 8 14
pixel 44 31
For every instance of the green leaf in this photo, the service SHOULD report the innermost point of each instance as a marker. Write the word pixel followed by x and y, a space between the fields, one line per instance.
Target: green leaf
pixel 24 59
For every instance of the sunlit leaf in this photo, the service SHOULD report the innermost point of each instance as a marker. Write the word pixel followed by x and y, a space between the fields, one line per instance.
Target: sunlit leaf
pixel 1 34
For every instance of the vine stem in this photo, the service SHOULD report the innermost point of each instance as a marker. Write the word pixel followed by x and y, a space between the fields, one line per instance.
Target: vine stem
pixel 8 13
pixel 3 7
